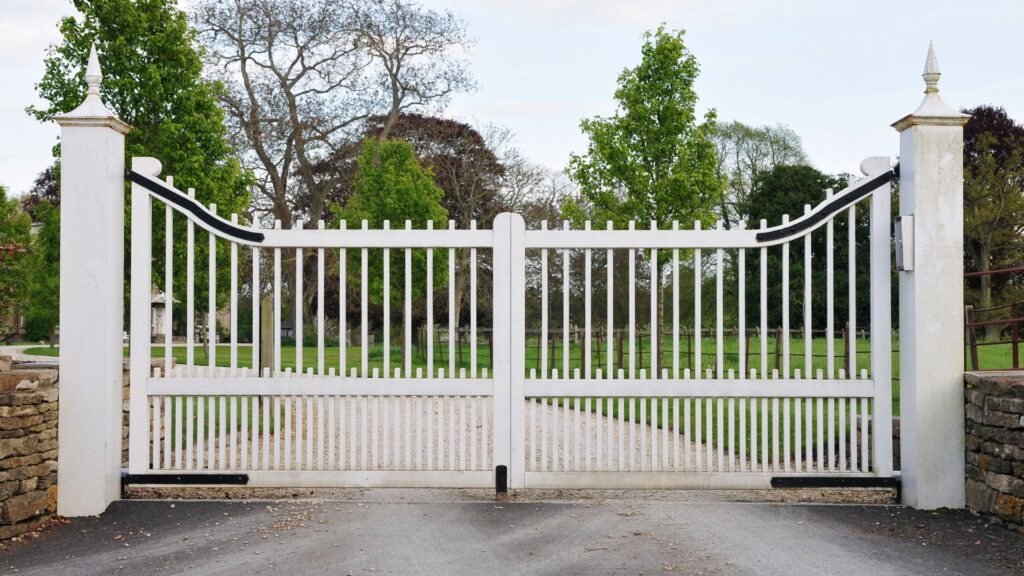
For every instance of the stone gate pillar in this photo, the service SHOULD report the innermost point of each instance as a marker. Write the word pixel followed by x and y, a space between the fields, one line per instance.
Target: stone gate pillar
pixel 91 303
pixel 931 277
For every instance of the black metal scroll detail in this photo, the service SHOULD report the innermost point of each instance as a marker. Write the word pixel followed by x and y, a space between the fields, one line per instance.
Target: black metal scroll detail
pixel 196 209
pixel 836 205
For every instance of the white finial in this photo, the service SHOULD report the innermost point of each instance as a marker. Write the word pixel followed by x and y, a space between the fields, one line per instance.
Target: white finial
pixel 93 74
pixel 92 112
pixel 932 110
pixel 931 71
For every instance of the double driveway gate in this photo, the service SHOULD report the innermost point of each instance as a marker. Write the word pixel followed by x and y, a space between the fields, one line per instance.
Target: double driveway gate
pixel 573 358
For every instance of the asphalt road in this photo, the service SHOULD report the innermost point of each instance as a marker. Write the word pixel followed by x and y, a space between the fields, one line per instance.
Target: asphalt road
pixel 635 536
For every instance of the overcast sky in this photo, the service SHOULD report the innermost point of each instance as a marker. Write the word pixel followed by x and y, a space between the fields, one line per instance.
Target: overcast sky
pixel 837 72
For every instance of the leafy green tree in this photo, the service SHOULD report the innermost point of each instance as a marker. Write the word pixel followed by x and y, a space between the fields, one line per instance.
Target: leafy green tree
pixel 152 79
pixel 42 309
pixel 786 190
pixel 391 186
pixel 993 207
pixel 654 159
pixel 15 226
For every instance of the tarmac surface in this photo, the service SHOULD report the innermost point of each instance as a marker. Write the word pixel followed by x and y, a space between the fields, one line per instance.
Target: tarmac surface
pixel 440 533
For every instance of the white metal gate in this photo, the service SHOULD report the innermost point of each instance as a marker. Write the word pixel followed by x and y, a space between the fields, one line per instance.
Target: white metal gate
pixel 571 416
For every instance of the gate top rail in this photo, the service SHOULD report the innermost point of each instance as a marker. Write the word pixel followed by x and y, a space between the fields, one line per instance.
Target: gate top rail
pixel 880 175
pixel 312 238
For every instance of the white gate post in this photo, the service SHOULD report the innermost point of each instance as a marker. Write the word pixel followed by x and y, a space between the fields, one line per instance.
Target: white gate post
pixel 881 319
pixel 509 333
pixel 931 300
pixel 91 291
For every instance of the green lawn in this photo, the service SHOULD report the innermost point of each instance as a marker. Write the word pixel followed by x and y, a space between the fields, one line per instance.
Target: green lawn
pixel 654 413
pixel 989 356
pixel 555 357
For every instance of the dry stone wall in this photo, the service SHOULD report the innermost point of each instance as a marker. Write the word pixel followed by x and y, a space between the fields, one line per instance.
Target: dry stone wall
pixel 28 448
pixel 995 446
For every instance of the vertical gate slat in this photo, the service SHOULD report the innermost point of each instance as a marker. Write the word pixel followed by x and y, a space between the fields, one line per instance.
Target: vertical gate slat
pixel 311 429
pixel 364 302
pixel 675 432
pixel 153 408
pixel 598 432
pixel 190 290
pixel 332 430
pixel 233 302
pixel 851 255
pixel 474 405
pixel 764 435
pixel 472 307
pixel 763 300
pixel 664 429
pixel 342 310
pixel 810 441
pixel 620 458
pixel 430 307
pixel 386 321
pixel 742 434
pixel 655 284
pixel 453 317
pixel 610 363
pixel 632 314
pixel 544 465
pixel 532 455
pixel 741 292
pixel 288 438
pixel 200 430
pixel 709 437
pixel 257 289
pixel 243 461
pixel 277 308
pixel 565 309
pixel 300 335
pixel 808 328
pixel 321 360
pixel 168 287
pixel 565 413
pixel 211 308
pixel 786 374
pixel 179 441
pixel 719 310
pixel 587 351
pixel 232 431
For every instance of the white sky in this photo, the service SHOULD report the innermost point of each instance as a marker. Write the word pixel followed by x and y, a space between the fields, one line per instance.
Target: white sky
pixel 837 72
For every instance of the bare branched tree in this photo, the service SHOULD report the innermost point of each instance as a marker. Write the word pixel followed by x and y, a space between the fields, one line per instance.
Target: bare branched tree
pixel 744 152
pixel 302 75
pixel 418 54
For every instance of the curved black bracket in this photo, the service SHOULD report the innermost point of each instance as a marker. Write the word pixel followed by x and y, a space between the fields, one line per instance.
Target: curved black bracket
pixel 190 206
pixel 830 209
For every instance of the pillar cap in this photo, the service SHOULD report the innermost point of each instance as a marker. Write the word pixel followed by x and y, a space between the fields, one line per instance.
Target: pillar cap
pixel 92 112
pixel 932 111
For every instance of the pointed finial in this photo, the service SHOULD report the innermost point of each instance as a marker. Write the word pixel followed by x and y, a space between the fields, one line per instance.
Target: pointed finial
pixel 931 71
pixel 932 110
pixel 93 74
pixel 92 112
